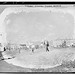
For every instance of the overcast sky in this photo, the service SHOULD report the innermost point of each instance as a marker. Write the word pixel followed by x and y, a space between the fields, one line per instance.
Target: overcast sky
pixel 36 26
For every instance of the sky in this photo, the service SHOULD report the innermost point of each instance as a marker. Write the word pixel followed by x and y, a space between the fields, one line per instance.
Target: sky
pixel 37 26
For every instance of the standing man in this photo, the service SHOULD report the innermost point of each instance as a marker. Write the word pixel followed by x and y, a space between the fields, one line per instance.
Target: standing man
pixel 4 49
pixel 46 43
pixel 33 47
pixel 47 46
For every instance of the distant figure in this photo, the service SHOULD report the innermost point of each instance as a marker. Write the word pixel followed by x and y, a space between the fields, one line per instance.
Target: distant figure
pixel 4 49
pixel 33 47
pixel 64 44
pixel 73 45
pixel 47 45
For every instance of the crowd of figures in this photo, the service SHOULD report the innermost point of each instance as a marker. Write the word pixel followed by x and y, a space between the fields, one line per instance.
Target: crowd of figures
pixel 39 45
pixel 30 46
pixel 47 45
pixel 19 47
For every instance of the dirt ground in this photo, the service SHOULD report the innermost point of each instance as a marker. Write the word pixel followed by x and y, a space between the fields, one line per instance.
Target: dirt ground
pixel 64 67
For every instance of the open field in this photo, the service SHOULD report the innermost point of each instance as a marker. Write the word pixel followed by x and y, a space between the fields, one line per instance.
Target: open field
pixel 52 58
pixel 66 67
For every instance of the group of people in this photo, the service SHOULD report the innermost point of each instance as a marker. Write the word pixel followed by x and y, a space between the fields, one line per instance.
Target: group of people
pixel 32 47
pixel 65 44
pixel 45 45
